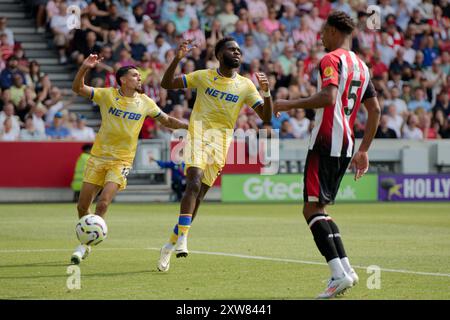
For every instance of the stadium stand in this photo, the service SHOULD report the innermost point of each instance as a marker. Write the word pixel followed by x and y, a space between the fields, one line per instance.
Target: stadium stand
pixel 408 55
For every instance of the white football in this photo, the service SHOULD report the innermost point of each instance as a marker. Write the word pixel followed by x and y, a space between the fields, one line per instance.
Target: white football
pixel 91 230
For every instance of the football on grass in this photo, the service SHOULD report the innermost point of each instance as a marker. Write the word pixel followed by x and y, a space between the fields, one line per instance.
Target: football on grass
pixel 91 230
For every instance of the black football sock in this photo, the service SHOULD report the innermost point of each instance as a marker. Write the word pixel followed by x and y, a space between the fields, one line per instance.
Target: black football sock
pixel 337 238
pixel 323 236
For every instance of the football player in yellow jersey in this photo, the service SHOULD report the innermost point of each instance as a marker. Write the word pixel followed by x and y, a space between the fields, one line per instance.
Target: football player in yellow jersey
pixel 123 112
pixel 221 94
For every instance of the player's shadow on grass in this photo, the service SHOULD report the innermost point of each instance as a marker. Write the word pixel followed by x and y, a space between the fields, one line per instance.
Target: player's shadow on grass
pixel 37 264
pixel 84 275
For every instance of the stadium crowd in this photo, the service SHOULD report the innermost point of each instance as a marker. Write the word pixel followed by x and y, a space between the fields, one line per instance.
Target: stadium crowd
pixel 408 55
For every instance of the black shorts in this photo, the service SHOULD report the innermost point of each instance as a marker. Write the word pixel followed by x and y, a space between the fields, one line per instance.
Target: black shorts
pixel 322 177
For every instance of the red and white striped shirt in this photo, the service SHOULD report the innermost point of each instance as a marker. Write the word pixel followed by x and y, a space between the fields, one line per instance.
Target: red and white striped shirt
pixel 333 131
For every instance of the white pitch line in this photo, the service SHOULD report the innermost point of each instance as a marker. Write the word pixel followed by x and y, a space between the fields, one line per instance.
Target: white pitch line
pixel 223 254
pixel 310 262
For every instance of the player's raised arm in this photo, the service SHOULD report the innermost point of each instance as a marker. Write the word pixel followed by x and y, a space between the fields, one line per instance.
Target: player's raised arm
pixel 171 122
pixel 360 161
pixel 78 85
pixel 324 98
pixel 264 111
pixel 169 81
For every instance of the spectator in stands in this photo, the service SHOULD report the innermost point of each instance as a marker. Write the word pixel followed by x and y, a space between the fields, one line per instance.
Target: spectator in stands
pixel 125 58
pixel 7 133
pixel 396 79
pixel 228 19
pixel 38 80
pixel 137 47
pixel 4 30
pixel 379 68
pixel 125 11
pixel 30 133
pixel 271 23
pixel 244 18
pixel 443 104
pixel 436 80
pixel 38 117
pixel 445 130
pixel 287 60
pixel 419 100
pixel 22 61
pixel 260 35
pixel 61 32
pixel 51 9
pixel 418 63
pixel 411 130
pixel 192 6
pixel 113 20
pixel 168 8
pixel 399 65
pixel 305 34
pixel 81 132
pixel 445 63
pixel 394 120
pixel 400 106
pixel 257 9
pixel 57 131
pixel 409 53
pixel 286 131
pixel 160 47
pixel 430 52
pixel 290 21
pixel 9 112
pixel 239 34
pixel 181 19
pixel 178 112
pixel 206 19
pixel 17 90
pixel 98 75
pixel 429 131
pixel 149 32
pixel 383 131
pixel 54 104
pixel 196 33
pixel 6 76
pixel 315 22
pixel 406 92
pixel 170 34
pixel 6 50
pixel 300 124
pixel 84 42
pixel 250 51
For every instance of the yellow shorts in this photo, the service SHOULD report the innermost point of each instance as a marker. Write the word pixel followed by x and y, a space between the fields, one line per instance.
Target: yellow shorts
pixel 207 157
pixel 100 171
pixel 210 173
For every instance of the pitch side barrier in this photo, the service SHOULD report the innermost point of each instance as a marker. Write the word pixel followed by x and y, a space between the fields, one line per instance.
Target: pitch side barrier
pixel 400 170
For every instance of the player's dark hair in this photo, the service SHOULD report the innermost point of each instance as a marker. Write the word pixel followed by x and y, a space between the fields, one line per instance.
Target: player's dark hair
pixel 121 72
pixel 341 21
pixel 221 43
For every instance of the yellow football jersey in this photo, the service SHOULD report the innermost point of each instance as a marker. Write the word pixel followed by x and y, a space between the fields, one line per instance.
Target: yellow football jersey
pixel 122 119
pixel 219 99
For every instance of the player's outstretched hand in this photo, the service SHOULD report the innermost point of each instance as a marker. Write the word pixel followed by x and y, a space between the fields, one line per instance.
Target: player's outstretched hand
pixel 92 61
pixel 184 48
pixel 360 164
pixel 280 106
pixel 263 81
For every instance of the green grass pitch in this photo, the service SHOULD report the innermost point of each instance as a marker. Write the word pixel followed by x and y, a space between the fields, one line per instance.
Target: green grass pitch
pixel 237 252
